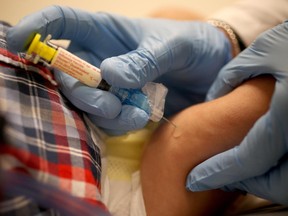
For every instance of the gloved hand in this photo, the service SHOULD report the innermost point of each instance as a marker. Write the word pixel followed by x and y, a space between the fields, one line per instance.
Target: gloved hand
pixel 259 165
pixel 183 55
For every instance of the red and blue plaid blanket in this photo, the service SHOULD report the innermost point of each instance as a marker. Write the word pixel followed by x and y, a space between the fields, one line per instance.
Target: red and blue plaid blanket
pixel 46 141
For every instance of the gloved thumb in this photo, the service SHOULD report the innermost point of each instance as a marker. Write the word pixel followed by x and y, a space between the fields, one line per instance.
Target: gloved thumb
pixel 271 186
pixel 261 149
pixel 131 70
pixel 149 61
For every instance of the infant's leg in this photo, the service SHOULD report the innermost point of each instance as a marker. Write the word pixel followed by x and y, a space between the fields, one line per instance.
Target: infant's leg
pixel 202 131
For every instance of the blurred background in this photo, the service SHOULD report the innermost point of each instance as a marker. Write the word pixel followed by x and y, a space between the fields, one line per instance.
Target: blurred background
pixel 13 10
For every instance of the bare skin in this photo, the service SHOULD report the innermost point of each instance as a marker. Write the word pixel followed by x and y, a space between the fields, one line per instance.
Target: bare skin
pixel 176 13
pixel 202 131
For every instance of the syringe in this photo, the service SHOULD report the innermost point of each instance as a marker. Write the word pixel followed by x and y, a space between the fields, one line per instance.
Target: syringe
pixel 59 58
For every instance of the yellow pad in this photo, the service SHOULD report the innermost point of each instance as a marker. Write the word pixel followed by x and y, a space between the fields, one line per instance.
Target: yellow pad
pixel 124 152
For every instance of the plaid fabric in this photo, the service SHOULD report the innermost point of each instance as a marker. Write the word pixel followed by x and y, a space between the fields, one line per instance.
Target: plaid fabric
pixel 48 139
pixel 50 196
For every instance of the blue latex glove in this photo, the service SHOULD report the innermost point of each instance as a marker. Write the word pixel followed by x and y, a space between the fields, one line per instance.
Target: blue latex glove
pixel 259 165
pixel 183 55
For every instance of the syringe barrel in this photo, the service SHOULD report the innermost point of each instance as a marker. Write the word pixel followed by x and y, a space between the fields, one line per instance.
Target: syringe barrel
pixel 151 100
pixel 61 59
pixel 76 67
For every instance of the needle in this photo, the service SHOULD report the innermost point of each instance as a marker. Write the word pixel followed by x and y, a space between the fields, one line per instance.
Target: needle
pixel 168 121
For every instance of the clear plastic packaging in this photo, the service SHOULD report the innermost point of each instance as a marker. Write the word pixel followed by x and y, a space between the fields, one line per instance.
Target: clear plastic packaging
pixel 151 98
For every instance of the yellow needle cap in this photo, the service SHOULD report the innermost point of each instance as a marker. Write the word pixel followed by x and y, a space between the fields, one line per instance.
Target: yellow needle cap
pixel 42 49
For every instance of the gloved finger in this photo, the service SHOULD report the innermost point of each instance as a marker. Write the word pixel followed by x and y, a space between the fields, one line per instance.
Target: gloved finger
pixel 87 99
pixel 47 21
pixel 132 70
pixel 130 118
pixel 263 56
pixel 233 74
pixel 159 53
pixel 85 28
pixel 146 63
pixel 271 186
pixel 91 100
pixel 261 149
